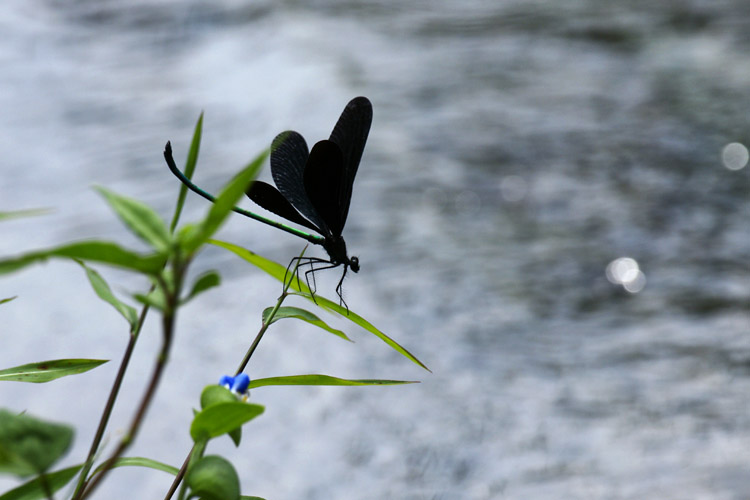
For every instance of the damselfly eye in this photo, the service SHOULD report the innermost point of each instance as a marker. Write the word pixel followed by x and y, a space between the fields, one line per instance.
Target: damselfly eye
pixel 354 264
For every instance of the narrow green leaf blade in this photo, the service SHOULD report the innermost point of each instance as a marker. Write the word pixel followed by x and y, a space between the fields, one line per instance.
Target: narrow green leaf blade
pixel 104 252
pixel 104 292
pixel 231 194
pixel 34 489
pixel 359 320
pixel 3 301
pixel 192 160
pixel 224 203
pixel 221 418
pixel 17 214
pixel 207 280
pixel 111 253
pixel 268 266
pixel 141 219
pixel 46 371
pixel 142 462
pixel 314 379
pixel 304 315
pixel 195 146
pixel 29 445
pixel 278 271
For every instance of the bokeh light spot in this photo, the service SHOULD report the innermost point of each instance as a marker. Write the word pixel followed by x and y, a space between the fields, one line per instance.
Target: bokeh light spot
pixel 636 283
pixel 626 272
pixel 735 156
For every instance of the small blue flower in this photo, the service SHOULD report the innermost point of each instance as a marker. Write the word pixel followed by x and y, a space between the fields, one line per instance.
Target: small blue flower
pixel 237 385
pixel 226 381
pixel 241 383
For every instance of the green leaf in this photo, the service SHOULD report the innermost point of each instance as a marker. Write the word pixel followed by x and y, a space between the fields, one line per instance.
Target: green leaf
pixel 141 219
pixel 215 394
pixel 16 214
pixel 187 231
pixel 3 301
pixel 141 462
pixel 236 436
pixel 104 252
pixel 295 312
pixel 155 298
pixel 207 280
pixel 45 371
pixel 245 497
pixel 359 320
pixel 322 380
pixel 195 146
pixel 270 267
pixel 29 445
pixel 278 271
pixel 224 203
pixel 192 160
pixel 104 292
pixel 37 487
pixel 214 478
pixel 221 418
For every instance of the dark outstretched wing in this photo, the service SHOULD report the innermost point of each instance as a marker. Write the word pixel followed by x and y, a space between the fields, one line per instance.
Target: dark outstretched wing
pixel 288 158
pixel 272 200
pixel 324 182
pixel 350 134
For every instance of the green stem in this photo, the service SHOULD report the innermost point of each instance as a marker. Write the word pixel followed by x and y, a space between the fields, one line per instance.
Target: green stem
pixel 263 327
pixel 183 470
pixel 240 369
pixel 268 321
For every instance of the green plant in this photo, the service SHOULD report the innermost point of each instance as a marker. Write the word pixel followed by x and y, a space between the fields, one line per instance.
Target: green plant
pixel 29 447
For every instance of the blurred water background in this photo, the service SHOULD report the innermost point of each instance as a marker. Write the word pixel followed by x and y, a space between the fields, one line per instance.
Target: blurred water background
pixel 518 150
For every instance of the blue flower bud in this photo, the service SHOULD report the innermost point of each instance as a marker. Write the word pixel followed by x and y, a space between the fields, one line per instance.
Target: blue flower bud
pixel 241 382
pixel 226 381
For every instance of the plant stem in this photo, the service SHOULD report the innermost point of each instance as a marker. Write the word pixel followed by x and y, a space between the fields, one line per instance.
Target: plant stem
pixel 134 332
pixel 254 345
pixel 258 336
pixel 267 323
pixel 180 475
pixel 240 369
pixel 168 322
pixel 199 449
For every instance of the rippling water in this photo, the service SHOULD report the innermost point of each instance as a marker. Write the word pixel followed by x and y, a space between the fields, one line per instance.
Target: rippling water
pixel 517 149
